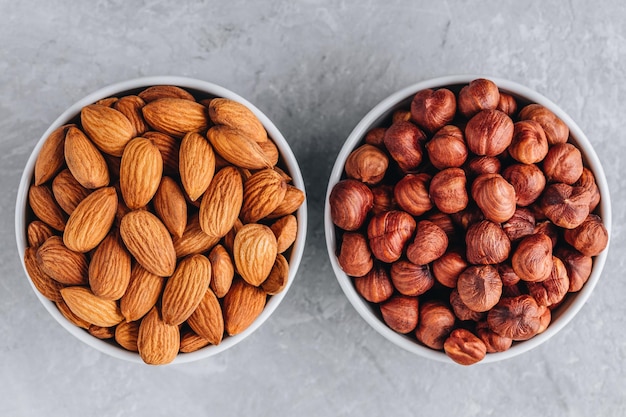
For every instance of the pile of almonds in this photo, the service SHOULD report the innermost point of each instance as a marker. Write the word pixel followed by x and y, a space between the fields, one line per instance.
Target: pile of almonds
pixel 161 221
pixel 467 219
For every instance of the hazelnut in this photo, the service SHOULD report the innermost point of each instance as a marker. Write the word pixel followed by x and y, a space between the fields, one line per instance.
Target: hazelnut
pixel 578 267
pixel 433 109
pixel 447 190
pixel 411 194
pixel 507 274
pixel 375 286
pixel 411 279
pixel 480 287
pixel 436 321
pixel 489 132
pixel 462 311
pixel 400 313
pixel 388 233
pixel 532 259
pixel 401 116
pixel 563 163
pixel 549 229
pixel 429 244
pixel 556 131
pixel 467 217
pixel 552 290
pixel 588 182
pixel 492 340
pixel 376 137
pixel 529 144
pixel 517 318
pixel 479 94
pixel 494 196
pixel 521 224
pixel 355 257
pixel 383 199
pixel 507 104
pixel 486 243
pixel 403 141
pixel 564 205
pixel 448 267
pixel 444 221
pixel 484 165
pixel 527 180
pixel 513 290
pixel 545 317
pixel 447 148
pixel 350 201
pixel 464 348
pixel 367 163
pixel 590 237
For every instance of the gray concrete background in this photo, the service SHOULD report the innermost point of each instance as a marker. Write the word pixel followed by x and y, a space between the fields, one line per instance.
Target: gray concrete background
pixel 315 67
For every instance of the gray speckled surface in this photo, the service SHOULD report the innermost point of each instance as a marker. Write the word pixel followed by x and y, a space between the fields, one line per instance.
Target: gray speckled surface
pixel 315 68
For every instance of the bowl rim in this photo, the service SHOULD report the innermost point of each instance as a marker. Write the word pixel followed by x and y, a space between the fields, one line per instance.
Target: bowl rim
pixel 566 311
pixel 202 86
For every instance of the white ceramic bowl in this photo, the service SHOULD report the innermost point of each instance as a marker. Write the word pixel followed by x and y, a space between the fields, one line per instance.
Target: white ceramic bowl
pixel 205 89
pixel 401 99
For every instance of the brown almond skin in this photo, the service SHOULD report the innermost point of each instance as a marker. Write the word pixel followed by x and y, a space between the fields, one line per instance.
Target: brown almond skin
pixel 254 252
pixel 91 308
pixel 142 293
pixel 169 149
pixel 223 111
pixel 222 270
pixel 130 106
pixel 62 264
pixel 110 268
pixel 207 319
pixel 221 204
pixel 176 116
pixel 84 160
pixel 109 129
pixel 156 92
pixel 71 317
pixel 126 335
pixel 44 206
pixel 140 172
pixel 48 287
pixel 196 164
pixel 278 277
pixel 68 192
pixel 237 148
pixel 193 240
pixel 286 230
pixel 37 233
pixel 241 306
pixel 190 341
pixel 294 197
pixel 171 207
pixel 262 193
pixel 157 342
pixel 51 156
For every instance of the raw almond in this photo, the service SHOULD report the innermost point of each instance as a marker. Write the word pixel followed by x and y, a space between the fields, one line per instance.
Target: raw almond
pixel 109 269
pixel 169 148
pixel 207 319
pixel 51 156
pixel 176 116
pixel 237 148
pixel 254 252
pixel 222 270
pixel 190 341
pixel 157 342
pixel 221 203
pixel 193 240
pixel 271 151
pixel 277 280
pixel 91 220
pixel 140 172
pixel 262 193
pixel 107 101
pixel 229 239
pixel 143 292
pixel 100 332
pixel 171 207
pixel 62 264
pixel 164 91
pixel 44 206
pixel 285 229
pixel 196 164
pixel 184 290
pixel 108 128
pixel 47 286
pixel 130 106
pixel 223 111
pixel 242 305
pixel 84 160
pixel 126 335
pixel 68 192
pixel 294 197
pixel 37 233
pixel 71 317
pixel 91 308
pixel 148 240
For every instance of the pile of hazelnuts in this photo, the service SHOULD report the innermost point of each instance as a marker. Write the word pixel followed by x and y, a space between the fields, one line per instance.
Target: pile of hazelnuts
pixel 467 219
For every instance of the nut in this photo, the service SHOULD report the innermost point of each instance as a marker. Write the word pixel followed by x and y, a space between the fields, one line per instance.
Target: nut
pixel 388 234
pixel 563 163
pixel 447 148
pixel 444 221
pixel 527 180
pixel 403 141
pixel 556 131
pixel 436 321
pixel 493 341
pixel 463 347
pixel 479 94
pixel 375 286
pixel 376 137
pixel 529 144
pixel 355 257
pixel 495 197
pixel 350 201
pixel 411 279
pixel 484 165
pixel 590 237
pixel 486 243
pixel 400 313
pixel 467 217
pixel 489 132
pixel 461 310
pixel 578 267
pixel 551 290
pixel 532 259
pixel 433 109
pixel 564 205
pixel 479 287
pixel 447 190
pixel 507 274
pixel 448 267
pixel 429 244
pixel 517 318
pixel 587 181
pixel 384 199
pixel 367 163
pixel 521 224
pixel 411 194
pixel 507 104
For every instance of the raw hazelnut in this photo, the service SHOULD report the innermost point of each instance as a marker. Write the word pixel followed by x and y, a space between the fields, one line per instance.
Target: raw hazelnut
pixel 549 229
pixel 492 340
pixel 527 180
pixel 563 163
pixel 429 244
pixel 355 257
pixel 448 267
pixel 532 259
pixel 513 290
pixel 479 94
pixel 400 313
pixel 447 190
pixel 507 104
pixel 517 318
pixel 376 137
pixel 489 132
pixel 484 165
pixel 507 274
pixel 467 217
pixel 403 141
pixel 556 131
pixel 383 199
pixel 444 221
pixel 578 267
pixel 590 237
pixel 447 148
pixel 486 243
pixel 588 182
pixel 401 116
pixel 411 194
pixel 552 290
pixel 495 197
pixel 436 321
pixel 545 317
pixel 480 287
pixel 529 144
pixel 411 279
pixel 433 109
pixel 388 233
pixel 521 224
pixel 367 163
pixel 375 286
pixel 350 201
pixel 462 311
pixel 464 348
pixel 564 205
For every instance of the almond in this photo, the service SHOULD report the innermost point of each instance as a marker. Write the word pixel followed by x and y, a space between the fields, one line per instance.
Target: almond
pixel 91 308
pixel 254 252
pixel 109 269
pixel 100 332
pixel 271 151
pixel 143 292
pixel 184 290
pixel 71 317
pixel 277 280
pixel 176 116
pixel 62 264
pixel 207 319
pixel 221 203
pixel 108 128
pixel 190 341
pixel 126 335
pixel 84 160
pixel 286 230
pixel 223 111
pixel 294 197
pixel 229 239
pixel 107 101
pixel 196 164
pixel 242 305
pixel 44 206
pixel 237 148
pixel 171 207
pixel 193 240
pixel 148 240
pixel 140 172
pixel 130 106
pixel 157 342
pixel 68 192
pixel 164 91
pixel 51 156
pixel 262 193
pixel 169 148
pixel 47 286
pixel 37 233
pixel 222 270
pixel 91 220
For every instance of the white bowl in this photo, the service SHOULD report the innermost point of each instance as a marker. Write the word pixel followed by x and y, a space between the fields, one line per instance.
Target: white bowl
pixel 134 85
pixel 401 99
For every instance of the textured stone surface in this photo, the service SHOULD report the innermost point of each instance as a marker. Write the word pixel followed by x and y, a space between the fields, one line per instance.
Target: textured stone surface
pixel 315 67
